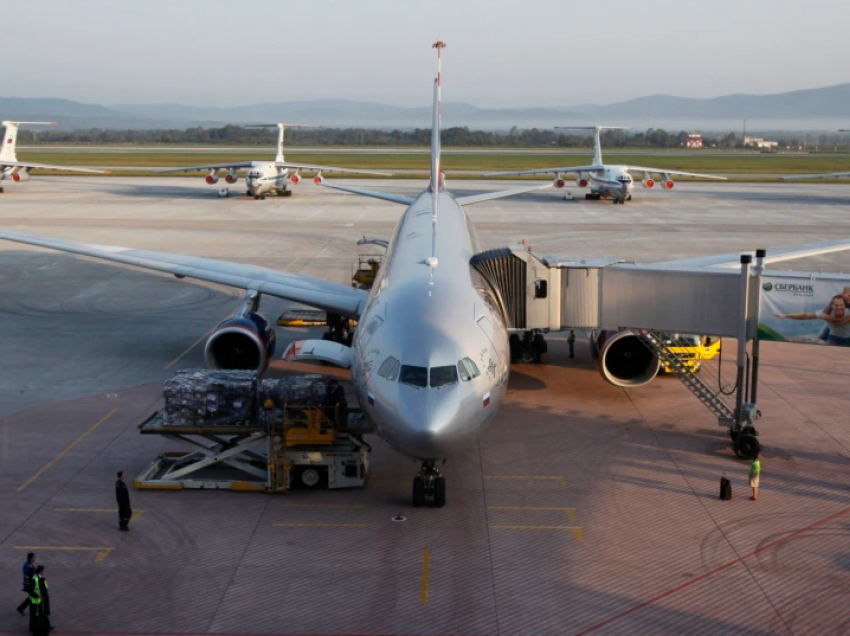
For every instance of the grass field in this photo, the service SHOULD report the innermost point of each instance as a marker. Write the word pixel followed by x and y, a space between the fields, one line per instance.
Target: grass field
pixel 745 164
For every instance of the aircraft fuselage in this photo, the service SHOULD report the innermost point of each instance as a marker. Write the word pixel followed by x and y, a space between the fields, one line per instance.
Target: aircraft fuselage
pixel 611 182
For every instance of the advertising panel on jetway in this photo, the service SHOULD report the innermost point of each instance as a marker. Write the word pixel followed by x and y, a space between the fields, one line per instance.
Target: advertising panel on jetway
pixel 805 310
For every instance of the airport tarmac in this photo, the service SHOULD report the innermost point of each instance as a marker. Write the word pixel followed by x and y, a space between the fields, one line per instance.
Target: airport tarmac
pixel 584 509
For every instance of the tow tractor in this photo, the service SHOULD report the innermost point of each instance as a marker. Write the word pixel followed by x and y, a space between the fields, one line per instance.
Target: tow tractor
pixel 691 349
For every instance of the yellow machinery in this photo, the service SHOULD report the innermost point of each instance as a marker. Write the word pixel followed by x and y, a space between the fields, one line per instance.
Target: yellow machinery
pixel 367 269
pixel 691 349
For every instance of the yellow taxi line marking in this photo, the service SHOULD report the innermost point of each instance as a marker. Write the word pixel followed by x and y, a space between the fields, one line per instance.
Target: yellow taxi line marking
pixel 561 481
pixel 102 553
pixel 571 515
pixel 323 506
pixel 66 451
pixel 320 525
pixel 423 592
pixel 571 512
pixel 133 519
pixel 576 530
pixel 198 341
pixel 188 349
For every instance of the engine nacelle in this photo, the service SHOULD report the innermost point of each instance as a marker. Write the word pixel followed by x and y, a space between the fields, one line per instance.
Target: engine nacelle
pixel 21 176
pixel 318 179
pixel 560 183
pixel 242 342
pixel 582 182
pixel 212 178
pixel 232 177
pixel 647 181
pixel 624 360
pixel 668 184
pixel 295 179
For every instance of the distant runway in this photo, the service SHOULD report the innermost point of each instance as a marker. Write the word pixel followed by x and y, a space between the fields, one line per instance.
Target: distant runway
pixel 585 508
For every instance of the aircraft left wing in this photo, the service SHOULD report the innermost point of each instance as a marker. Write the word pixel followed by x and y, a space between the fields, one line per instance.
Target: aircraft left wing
pixel 831 175
pixel 43 166
pixel 489 196
pixel 307 166
pixel 776 255
pixel 217 166
pixel 322 294
pixel 676 172
pixel 544 171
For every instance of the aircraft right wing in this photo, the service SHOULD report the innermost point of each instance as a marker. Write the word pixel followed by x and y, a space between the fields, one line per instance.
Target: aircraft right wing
pixel 384 196
pixel 543 171
pixel 322 294
pixel 831 175
pixel 44 166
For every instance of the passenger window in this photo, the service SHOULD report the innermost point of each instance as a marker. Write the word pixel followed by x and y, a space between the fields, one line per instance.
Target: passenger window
pixel 443 376
pixel 464 374
pixel 392 376
pixel 386 366
pixel 471 367
pixel 414 376
pixel 541 288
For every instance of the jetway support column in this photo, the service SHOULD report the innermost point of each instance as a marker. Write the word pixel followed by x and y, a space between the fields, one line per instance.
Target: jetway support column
pixel 758 271
pixel 743 299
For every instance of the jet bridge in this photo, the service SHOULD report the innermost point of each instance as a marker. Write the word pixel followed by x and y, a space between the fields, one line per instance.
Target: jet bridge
pixel 644 308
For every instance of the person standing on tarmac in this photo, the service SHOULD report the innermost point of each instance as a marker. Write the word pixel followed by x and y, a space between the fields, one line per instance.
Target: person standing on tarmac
pixel 29 572
pixel 39 604
pixel 755 473
pixel 122 495
pixel 571 340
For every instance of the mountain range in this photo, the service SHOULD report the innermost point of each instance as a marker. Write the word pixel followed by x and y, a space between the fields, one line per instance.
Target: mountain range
pixel 819 108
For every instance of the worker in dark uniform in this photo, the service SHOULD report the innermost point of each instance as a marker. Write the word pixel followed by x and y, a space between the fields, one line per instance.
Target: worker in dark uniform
pixel 571 340
pixel 29 572
pixel 335 402
pixel 122 495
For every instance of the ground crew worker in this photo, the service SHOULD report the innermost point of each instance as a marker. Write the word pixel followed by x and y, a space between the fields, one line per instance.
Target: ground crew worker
pixel 122 495
pixel 29 572
pixel 38 605
pixel 571 340
pixel 755 473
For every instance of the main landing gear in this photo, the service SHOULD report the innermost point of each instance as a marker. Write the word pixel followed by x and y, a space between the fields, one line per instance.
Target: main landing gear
pixel 429 485
pixel 592 196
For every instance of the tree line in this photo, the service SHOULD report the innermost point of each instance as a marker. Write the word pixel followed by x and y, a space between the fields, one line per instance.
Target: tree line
pixel 364 137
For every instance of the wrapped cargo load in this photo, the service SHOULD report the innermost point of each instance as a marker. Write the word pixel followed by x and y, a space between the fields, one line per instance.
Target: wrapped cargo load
pixel 203 397
pixel 300 390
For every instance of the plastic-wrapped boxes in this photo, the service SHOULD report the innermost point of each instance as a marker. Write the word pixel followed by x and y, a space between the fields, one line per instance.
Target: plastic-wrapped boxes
pixel 200 397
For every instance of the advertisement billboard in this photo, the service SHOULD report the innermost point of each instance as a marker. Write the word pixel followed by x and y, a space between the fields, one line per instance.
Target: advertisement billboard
pixel 805 310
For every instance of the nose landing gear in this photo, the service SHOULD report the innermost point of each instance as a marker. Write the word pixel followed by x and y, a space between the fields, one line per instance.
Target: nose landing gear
pixel 429 484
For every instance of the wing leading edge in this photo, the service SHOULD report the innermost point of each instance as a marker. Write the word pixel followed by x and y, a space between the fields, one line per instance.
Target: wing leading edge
pixel 322 294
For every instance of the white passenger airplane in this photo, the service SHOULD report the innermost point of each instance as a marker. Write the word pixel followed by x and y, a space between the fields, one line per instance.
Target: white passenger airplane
pixel 831 175
pixel 430 359
pixel 19 171
pixel 607 182
pixel 267 177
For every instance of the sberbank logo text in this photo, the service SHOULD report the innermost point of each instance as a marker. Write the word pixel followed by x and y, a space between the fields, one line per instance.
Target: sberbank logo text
pixel 789 287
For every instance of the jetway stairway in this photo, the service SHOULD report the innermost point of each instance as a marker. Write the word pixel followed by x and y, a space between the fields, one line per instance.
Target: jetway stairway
pixel 712 399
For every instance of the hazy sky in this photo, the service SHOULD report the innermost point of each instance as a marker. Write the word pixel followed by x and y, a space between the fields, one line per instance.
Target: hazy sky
pixel 501 53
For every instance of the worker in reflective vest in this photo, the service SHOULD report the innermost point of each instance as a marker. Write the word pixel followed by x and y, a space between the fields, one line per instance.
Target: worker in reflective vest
pixel 755 474
pixel 36 598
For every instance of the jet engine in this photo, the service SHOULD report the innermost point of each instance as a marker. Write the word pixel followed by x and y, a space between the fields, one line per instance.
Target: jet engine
pixel 647 181
pixel 232 177
pixel 242 342
pixel 295 179
pixel 559 182
pixel 582 181
pixel 667 183
pixel 21 176
pixel 212 177
pixel 624 360
pixel 318 179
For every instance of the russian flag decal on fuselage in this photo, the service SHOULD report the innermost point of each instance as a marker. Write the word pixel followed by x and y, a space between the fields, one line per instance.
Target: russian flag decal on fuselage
pixel 487 399
pixel 371 399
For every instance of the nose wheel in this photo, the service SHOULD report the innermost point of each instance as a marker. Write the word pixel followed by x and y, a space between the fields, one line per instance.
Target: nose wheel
pixel 429 486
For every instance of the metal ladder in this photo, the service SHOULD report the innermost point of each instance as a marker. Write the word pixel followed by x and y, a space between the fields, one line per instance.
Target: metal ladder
pixel 703 392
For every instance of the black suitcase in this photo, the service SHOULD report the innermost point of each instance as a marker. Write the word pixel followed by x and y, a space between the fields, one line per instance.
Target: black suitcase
pixel 725 489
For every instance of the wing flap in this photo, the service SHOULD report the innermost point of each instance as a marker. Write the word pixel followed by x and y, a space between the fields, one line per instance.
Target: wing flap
pixel 315 292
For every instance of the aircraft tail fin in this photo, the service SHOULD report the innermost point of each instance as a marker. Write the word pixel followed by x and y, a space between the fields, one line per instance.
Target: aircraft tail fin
pixel 280 130
pixel 436 167
pixel 10 138
pixel 597 142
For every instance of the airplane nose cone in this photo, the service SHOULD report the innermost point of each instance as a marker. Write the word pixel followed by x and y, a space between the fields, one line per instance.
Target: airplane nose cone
pixel 431 428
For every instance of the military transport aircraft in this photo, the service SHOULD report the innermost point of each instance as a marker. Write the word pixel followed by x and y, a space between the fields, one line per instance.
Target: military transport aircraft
pixel 430 359
pixel 607 182
pixel 19 171
pixel 269 177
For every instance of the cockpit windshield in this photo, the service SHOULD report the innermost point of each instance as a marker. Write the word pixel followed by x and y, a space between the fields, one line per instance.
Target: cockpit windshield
pixel 442 376
pixel 414 376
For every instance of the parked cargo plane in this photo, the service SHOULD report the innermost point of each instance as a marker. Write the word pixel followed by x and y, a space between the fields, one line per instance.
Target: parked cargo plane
pixel 431 358
pixel 607 182
pixel 269 177
pixel 19 171
pixel 830 175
